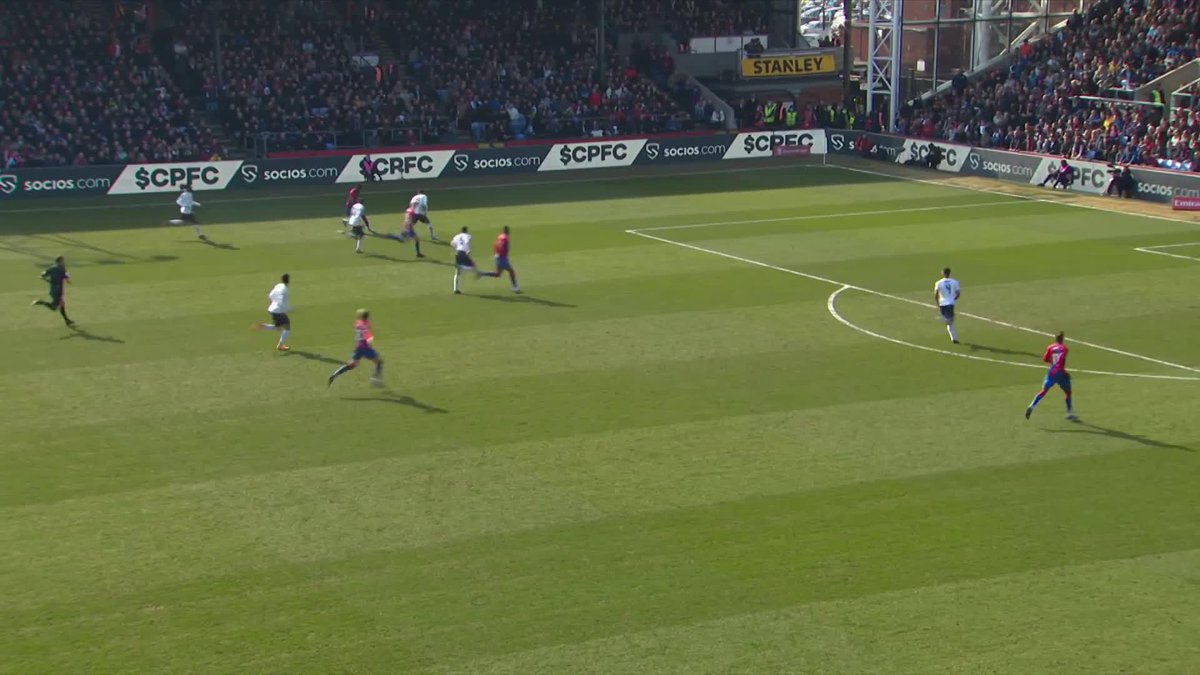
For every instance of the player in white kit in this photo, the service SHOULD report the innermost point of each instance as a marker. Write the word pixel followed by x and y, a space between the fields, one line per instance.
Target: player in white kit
pixel 357 222
pixel 461 243
pixel 946 293
pixel 187 205
pixel 418 212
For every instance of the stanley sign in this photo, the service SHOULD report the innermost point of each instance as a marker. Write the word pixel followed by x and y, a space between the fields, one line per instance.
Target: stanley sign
pixel 792 65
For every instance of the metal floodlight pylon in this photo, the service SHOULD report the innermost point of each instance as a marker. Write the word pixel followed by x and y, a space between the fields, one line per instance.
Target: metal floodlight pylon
pixel 884 44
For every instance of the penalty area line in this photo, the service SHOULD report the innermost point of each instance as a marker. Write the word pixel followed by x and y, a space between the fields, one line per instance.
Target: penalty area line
pixel 819 216
pixel 1157 250
pixel 898 298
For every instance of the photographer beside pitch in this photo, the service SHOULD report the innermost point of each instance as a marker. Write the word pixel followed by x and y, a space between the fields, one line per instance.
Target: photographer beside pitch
pixel 1121 181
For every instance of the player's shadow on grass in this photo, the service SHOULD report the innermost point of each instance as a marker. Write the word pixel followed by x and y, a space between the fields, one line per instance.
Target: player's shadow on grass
pixel 214 244
pixel 77 332
pixel 63 240
pixel 1000 350
pixel 399 399
pixel 381 256
pixel 1082 427
pixel 525 299
pixel 312 356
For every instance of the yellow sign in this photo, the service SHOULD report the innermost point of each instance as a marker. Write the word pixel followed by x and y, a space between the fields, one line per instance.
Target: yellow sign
pixel 789 66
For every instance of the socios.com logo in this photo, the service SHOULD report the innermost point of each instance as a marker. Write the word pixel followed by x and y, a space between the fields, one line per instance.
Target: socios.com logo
pixel 461 162
pixel 8 183
pixel 249 173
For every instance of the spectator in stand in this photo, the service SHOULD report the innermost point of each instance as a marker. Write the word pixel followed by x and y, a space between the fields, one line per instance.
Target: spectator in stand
pixel 75 89
pixel 1033 105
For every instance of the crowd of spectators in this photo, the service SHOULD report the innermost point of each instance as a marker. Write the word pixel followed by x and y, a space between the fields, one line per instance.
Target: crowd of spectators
pixel 80 86
pixel 1034 104
pixel 78 89
pixel 528 68
pixel 286 72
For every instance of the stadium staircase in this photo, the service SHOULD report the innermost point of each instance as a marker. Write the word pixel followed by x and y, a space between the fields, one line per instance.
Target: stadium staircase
pixel 387 55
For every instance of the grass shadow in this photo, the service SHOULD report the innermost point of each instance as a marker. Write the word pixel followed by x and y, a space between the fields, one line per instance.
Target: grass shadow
pixel 1000 350
pixel 1086 428
pixel 77 332
pixel 72 242
pixel 399 399
pixel 313 356
pixel 525 299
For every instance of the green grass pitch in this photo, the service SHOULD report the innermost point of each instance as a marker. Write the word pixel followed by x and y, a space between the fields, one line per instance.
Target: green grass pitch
pixel 722 432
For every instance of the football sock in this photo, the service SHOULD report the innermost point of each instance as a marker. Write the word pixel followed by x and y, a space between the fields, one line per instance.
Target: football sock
pixel 43 303
pixel 198 232
pixel 457 272
pixel 417 244
pixel 1037 399
pixel 267 326
pixel 430 226
pixel 379 369
pixel 1068 403
pixel 953 334
pixel 490 274
pixel 283 336
pixel 357 245
pixel 62 309
pixel 343 369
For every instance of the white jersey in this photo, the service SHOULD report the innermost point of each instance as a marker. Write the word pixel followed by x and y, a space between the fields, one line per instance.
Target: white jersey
pixel 461 243
pixel 419 205
pixel 279 299
pixel 947 291
pixel 356 214
pixel 186 203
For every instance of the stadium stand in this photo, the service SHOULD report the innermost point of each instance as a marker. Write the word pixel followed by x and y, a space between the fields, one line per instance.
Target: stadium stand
pixel 78 88
pixel 704 18
pixel 526 68
pixel 1033 105
pixel 286 72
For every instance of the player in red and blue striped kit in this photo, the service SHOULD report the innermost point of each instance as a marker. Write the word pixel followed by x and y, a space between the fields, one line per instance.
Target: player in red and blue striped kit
pixel 364 348
pixel 1056 356
pixel 500 248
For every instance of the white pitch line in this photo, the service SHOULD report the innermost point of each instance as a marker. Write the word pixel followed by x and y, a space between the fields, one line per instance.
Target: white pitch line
pixel 881 212
pixel 881 294
pixel 831 305
pixel 1150 250
pixel 1190 243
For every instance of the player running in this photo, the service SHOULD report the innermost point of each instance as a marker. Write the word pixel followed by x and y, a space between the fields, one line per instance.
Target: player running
pixel 461 243
pixel 56 275
pixel 363 349
pixel 187 206
pixel 418 211
pixel 356 222
pixel 418 207
pixel 278 310
pixel 502 264
pixel 1056 356
pixel 946 293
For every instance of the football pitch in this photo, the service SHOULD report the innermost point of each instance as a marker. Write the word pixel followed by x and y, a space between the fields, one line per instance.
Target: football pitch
pixel 722 431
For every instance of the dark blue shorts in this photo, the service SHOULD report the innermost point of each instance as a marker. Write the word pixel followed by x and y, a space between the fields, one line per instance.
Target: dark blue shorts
pixel 1063 380
pixel 947 312
pixel 364 353
pixel 463 259
pixel 280 320
pixel 502 263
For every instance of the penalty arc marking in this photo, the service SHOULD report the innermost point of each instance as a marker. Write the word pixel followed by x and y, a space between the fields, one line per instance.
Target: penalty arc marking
pixel 842 287
pixel 831 305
